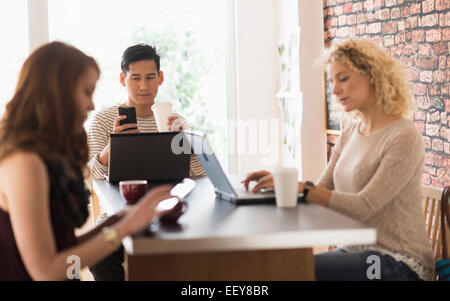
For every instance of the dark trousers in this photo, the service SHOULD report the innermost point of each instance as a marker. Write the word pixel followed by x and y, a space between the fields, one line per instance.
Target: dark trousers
pixel 110 268
pixel 360 266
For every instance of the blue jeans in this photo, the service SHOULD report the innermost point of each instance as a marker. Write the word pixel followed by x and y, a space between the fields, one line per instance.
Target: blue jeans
pixel 360 266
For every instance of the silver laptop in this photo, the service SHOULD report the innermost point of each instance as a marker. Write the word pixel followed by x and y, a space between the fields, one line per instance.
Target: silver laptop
pixel 227 188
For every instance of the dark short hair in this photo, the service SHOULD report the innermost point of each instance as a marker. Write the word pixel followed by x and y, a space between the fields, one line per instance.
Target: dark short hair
pixel 139 52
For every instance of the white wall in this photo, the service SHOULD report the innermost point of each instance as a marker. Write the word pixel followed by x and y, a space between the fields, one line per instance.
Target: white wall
pixel 314 143
pixel 260 25
pixel 257 73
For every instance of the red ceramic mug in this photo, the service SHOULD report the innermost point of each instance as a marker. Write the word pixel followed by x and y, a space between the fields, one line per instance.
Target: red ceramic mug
pixel 176 209
pixel 133 190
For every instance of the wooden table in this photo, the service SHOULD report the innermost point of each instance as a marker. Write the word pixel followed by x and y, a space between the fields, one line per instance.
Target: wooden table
pixel 217 240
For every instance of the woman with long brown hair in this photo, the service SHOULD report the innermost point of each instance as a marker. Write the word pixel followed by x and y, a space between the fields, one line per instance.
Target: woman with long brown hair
pixel 43 152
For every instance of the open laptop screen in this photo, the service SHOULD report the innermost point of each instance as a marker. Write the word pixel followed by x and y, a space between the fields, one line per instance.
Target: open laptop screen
pixel 146 156
pixel 210 164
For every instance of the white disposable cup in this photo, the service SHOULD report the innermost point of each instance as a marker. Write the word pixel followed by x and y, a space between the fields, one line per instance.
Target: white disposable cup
pixel 286 186
pixel 162 111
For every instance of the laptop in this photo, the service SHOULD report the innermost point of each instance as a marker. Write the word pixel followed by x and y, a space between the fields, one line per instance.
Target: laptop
pixel 146 156
pixel 226 188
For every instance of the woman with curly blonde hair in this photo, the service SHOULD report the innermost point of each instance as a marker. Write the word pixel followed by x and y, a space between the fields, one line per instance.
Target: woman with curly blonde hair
pixel 375 171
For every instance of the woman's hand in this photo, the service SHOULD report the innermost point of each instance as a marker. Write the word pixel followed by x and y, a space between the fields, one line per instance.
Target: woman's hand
pixel 263 177
pixel 140 215
pixel 175 123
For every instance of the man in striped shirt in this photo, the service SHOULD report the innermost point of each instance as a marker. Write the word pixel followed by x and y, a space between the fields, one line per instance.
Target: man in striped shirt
pixel 141 76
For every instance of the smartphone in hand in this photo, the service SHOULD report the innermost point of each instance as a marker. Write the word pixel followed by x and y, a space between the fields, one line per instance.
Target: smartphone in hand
pixel 130 112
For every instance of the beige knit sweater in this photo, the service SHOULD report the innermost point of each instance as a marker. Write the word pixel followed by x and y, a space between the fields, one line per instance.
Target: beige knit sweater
pixel 376 179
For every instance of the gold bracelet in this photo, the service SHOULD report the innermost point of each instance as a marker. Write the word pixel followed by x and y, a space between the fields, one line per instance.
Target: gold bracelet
pixel 111 236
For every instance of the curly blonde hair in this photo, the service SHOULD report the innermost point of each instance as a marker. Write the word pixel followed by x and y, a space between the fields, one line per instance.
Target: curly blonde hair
pixel 392 90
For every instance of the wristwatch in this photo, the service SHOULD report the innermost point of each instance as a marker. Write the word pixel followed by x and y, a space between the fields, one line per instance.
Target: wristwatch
pixel 308 186
pixel 111 236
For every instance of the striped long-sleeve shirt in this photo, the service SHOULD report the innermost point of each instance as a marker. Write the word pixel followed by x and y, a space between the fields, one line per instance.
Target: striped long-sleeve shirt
pixel 98 137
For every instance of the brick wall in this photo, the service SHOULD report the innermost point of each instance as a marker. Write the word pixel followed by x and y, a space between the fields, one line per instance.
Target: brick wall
pixel 418 34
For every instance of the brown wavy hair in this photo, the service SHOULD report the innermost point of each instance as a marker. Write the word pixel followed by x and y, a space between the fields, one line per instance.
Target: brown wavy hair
pixel 43 116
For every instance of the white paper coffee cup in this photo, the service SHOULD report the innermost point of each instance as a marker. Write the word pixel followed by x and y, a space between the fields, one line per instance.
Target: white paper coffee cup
pixel 162 111
pixel 286 186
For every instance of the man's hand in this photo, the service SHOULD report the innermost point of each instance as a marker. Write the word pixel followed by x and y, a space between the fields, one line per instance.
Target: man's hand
pixel 175 123
pixel 122 129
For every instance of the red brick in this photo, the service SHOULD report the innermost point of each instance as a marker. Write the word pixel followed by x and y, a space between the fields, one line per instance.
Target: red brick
pixel 419 115
pixel 435 117
pixel 342 20
pixel 442 62
pixel 372 17
pixel 414 8
pixel 418 35
pixel 374 28
pixel 420 126
pixel 412 74
pixel 420 89
pixel 368 5
pixel 426 179
pixel 379 3
pixel 357 7
pixel 401 25
pixel 439 76
pixel 390 3
pixel 447 105
pixel 342 32
pixel 395 13
pixel 444 19
pixel 440 48
pixel 388 41
pixel 396 51
pixel 432 129
pixel 437 182
pixel 405 12
pixel 340 1
pixel 339 10
pixel 425 49
pixel 333 22
pixel 331 2
pixel 384 14
pixel 427 6
pixel 411 22
pixel 400 38
pixel 351 20
pixel 406 61
pixel 427 141
pixel 389 27
pixel 429 20
pixel 429 169
pixel 361 29
pixel 429 158
pixel 446 34
pixel 426 62
pixel 433 91
pixel 442 4
pixel 426 76
pixel 361 18
pixel 348 8
pixel 433 35
pixel 437 145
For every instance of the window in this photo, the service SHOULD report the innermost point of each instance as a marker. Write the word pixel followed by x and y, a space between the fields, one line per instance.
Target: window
pixel 190 35
pixel 14 49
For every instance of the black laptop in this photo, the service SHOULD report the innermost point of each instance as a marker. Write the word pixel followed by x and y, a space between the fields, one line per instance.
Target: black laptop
pixel 146 156
pixel 227 188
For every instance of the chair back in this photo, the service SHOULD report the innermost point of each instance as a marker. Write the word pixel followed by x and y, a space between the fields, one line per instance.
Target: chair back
pixel 432 205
